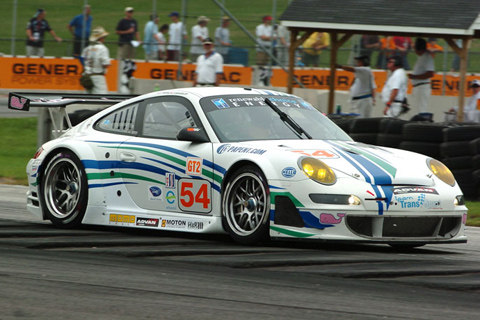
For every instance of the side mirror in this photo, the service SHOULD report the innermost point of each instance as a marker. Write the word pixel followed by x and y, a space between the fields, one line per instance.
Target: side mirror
pixel 193 135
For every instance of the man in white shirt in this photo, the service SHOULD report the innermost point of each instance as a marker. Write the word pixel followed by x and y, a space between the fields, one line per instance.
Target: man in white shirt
pixel 96 59
pixel 362 91
pixel 394 92
pixel 199 34
pixel 209 69
pixel 423 70
pixel 472 108
pixel 222 38
pixel 264 34
pixel 151 39
pixel 176 35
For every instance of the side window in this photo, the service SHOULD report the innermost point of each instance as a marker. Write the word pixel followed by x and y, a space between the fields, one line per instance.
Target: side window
pixel 119 121
pixel 164 119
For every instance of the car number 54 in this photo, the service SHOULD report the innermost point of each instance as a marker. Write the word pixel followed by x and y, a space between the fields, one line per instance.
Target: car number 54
pixel 195 195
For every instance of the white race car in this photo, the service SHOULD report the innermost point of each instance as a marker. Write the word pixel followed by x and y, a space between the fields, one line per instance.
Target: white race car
pixel 253 163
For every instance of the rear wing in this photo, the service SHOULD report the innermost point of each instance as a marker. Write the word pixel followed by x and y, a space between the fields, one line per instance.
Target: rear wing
pixel 57 103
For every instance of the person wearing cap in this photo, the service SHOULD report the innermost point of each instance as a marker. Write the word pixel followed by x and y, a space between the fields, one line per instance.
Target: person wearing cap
pixel 35 31
pixel 127 30
pixel 151 40
pixel 209 69
pixel 96 60
pixel 472 108
pixel 176 36
pixel 394 92
pixel 81 34
pixel 362 91
pixel 313 46
pixel 199 34
pixel 222 38
pixel 423 70
pixel 264 33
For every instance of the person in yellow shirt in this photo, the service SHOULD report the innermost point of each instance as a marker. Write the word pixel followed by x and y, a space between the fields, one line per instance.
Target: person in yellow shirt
pixel 312 47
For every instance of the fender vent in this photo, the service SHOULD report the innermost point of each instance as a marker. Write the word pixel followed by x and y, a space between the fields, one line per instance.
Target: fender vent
pixel 286 213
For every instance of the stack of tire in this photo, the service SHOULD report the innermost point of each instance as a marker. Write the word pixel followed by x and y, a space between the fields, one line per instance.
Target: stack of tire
pixel 390 132
pixel 459 151
pixel 423 137
pixel 341 121
pixel 365 129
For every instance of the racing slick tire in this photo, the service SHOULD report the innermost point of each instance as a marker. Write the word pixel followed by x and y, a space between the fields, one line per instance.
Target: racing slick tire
pixel 246 206
pixel 64 190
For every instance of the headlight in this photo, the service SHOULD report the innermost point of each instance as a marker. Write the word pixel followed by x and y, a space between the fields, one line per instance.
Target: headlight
pixel 459 201
pixel 317 170
pixel 441 171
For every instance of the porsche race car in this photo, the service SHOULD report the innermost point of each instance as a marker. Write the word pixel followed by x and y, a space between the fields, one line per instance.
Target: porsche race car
pixel 256 164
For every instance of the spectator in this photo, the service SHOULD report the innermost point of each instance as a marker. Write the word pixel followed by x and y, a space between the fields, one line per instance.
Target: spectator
pixel 151 38
pixel 312 48
pixel 176 35
pixel 394 92
pixel 96 58
pixel 362 91
pixel 264 33
pixel 423 70
pixel 472 109
pixel 222 38
pixel 387 47
pixel 209 66
pixel 199 34
pixel 433 47
pixel 369 43
pixel 127 29
pixel 80 35
pixel 283 43
pixel 403 46
pixel 162 50
pixel 35 31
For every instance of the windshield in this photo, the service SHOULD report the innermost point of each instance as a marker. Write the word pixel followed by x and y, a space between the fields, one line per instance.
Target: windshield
pixel 248 117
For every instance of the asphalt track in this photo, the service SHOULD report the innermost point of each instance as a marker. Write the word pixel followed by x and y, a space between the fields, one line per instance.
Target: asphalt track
pixel 117 273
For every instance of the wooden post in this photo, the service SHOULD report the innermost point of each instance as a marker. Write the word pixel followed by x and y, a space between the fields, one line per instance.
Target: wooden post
pixel 333 62
pixel 291 60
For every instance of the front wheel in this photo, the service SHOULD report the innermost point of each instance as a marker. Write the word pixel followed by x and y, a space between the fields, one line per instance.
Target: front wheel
pixel 246 206
pixel 64 190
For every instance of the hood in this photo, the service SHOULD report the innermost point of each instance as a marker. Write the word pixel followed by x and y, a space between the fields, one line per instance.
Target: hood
pixel 373 164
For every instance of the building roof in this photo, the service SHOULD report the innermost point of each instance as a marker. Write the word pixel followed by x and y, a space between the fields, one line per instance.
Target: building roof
pixel 415 17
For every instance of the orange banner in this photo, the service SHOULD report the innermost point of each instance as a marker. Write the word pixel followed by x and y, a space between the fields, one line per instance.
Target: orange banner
pixel 47 73
pixel 168 71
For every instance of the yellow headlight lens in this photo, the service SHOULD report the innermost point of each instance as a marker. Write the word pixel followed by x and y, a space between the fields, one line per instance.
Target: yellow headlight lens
pixel 441 171
pixel 318 171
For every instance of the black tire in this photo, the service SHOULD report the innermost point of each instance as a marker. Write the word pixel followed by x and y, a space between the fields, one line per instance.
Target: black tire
pixel 365 125
pixel 64 190
pixel 344 124
pixel 476 162
pixel 369 138
pixel 458 163
pixel 392 126
pixel 461 133
pixel 389 140
pixel 475 147
pixel 423 132
pixel 455 149
pixel 246 206
pixel 427 148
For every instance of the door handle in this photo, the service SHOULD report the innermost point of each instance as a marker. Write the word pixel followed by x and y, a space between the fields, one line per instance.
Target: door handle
pixel 127 157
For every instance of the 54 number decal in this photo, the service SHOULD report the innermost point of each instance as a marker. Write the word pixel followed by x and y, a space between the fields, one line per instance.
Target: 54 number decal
pixel 195 195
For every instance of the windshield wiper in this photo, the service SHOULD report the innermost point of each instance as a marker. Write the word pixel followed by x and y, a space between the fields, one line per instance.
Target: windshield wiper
pixel 288 120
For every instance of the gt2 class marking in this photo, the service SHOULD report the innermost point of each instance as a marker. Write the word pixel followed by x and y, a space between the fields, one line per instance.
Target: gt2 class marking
pixel 194 166
pixel 195 195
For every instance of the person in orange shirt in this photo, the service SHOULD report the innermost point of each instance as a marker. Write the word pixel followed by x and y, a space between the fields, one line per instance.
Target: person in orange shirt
pixel 433 47
pixel 387 46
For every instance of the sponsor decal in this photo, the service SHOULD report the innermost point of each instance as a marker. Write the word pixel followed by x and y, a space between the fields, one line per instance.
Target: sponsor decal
pixel 170 197
pixel 174 223
pixel 408 202
pixel 328 218
pixel 121 219
pixel 404 190
pixel 195 195
pixel 17 103
pixel 289 172
pixel 147 222
pixel 289 102
pixel 194 166
pixel 170 180
pixel 155 193
pixel 220 103
pixel 228 148
pixel 195 225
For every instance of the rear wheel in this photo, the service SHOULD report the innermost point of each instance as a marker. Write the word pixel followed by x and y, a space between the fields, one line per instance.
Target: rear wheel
pixel 64 190
pixel 246 206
